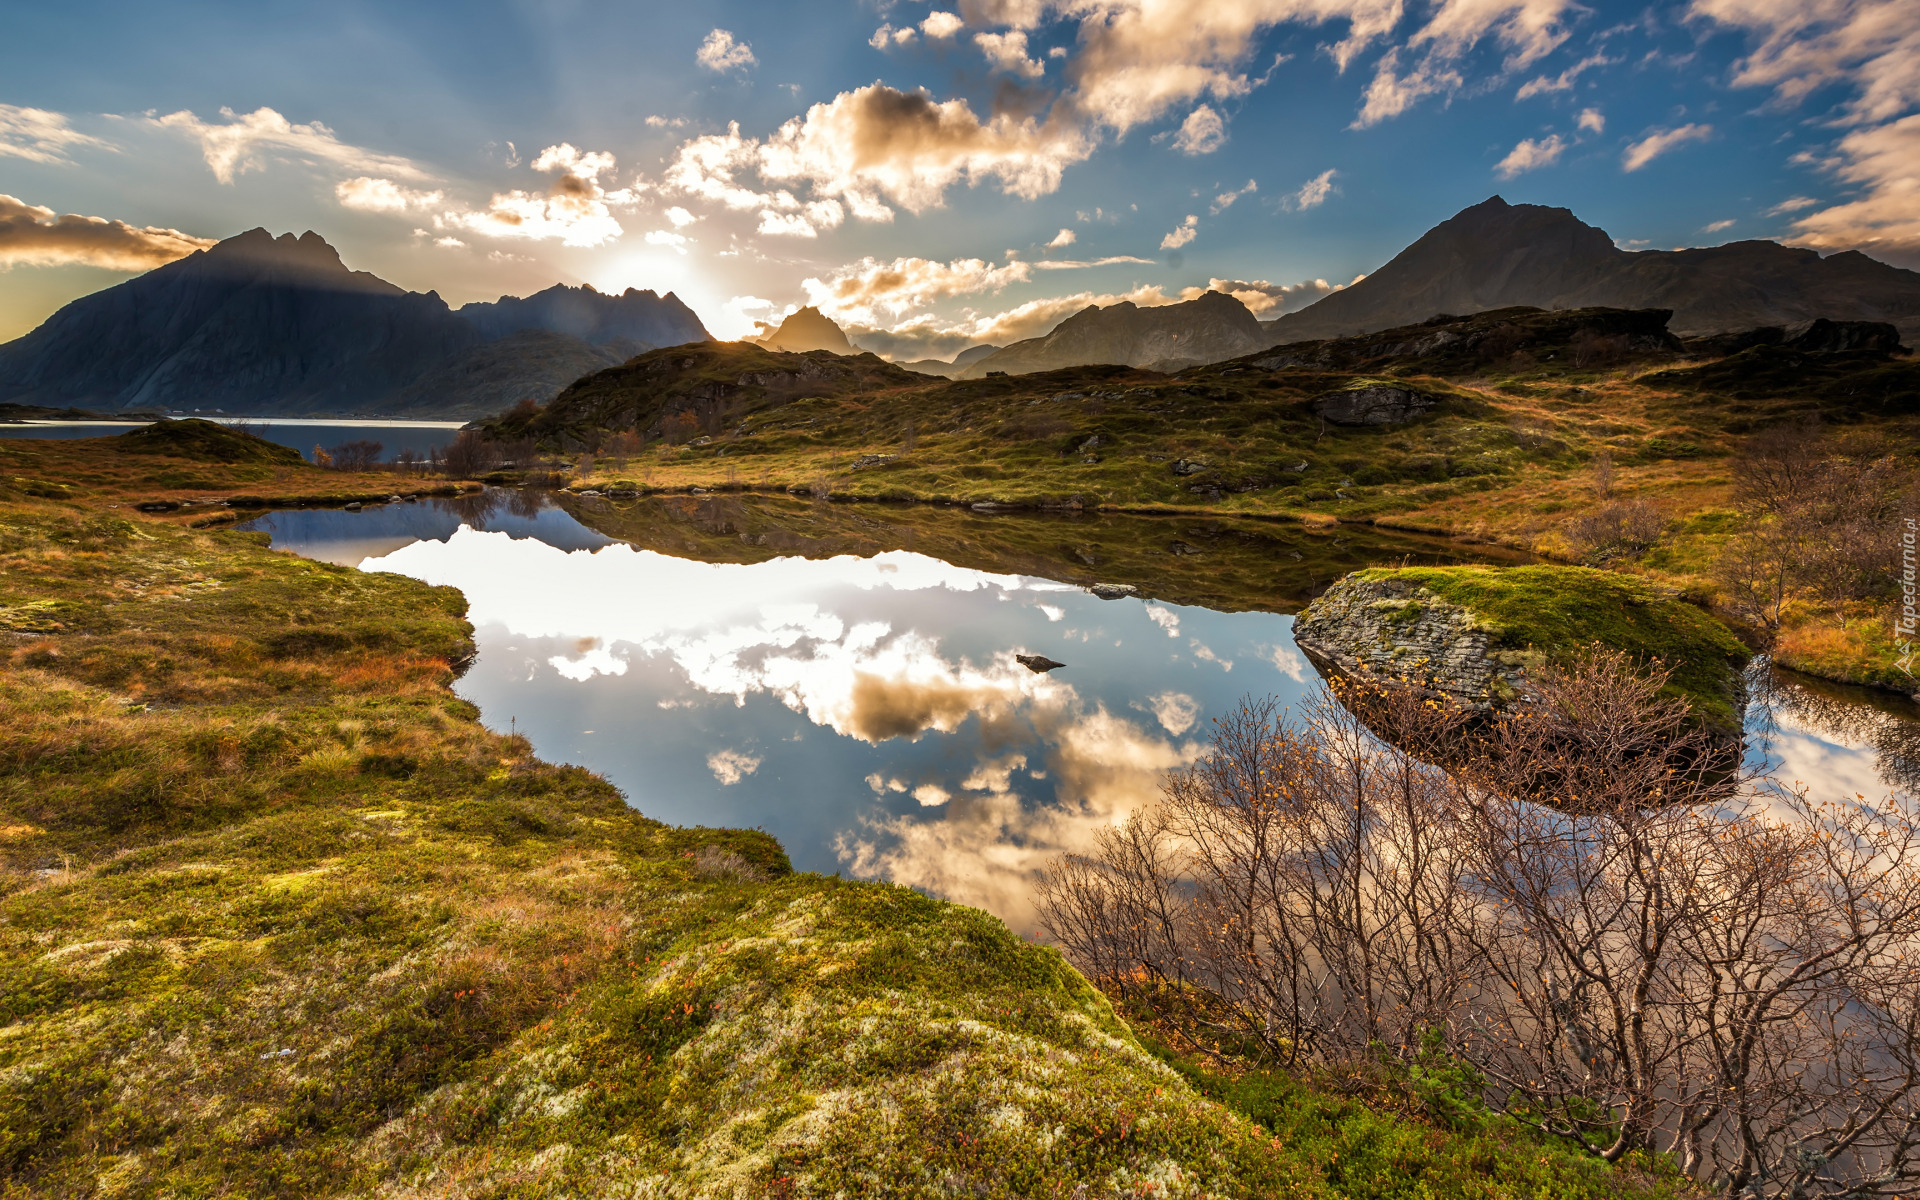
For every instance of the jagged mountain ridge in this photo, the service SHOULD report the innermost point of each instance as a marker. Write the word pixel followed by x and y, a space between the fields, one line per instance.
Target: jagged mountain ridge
pixel 807 329
pixel 264 324
pixel 1499 255
pixel 1213 327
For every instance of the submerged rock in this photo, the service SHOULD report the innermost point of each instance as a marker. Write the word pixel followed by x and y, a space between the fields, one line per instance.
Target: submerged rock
pixel 1039 664
pixel 1114 591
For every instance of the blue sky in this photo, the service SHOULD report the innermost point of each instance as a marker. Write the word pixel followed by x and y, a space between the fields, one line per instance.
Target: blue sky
pixel 935 174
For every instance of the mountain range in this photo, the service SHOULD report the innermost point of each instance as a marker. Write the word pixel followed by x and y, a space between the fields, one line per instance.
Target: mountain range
pixel 264 324
pixel 1490 256
pixel 279 325
pixel 1498 255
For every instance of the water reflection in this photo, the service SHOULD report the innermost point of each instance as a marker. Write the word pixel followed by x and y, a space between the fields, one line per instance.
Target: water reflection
pixel 867 708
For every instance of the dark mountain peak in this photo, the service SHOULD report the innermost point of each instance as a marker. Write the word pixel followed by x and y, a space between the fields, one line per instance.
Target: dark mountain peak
pixel 1496 255
pixel 808 329
pixel 1208 328
pixel 630 322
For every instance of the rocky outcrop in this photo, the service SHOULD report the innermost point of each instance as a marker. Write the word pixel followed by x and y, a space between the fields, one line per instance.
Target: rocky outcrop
pixel 1373 404
pixel 1393 630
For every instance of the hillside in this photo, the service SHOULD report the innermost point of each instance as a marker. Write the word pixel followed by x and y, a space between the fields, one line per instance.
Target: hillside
pixel 1498 255
pixel 1501 427
pixel 281 326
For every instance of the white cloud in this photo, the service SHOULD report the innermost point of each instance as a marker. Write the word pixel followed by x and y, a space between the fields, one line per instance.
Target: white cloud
pixel 1290 662
pixel 1884 161
pixel 245 143
pixel 1202 132
pixel 367 194
pixel 1873 48
pixel 926 336
pixel 1717 226
pixel 931 795
pixel 575 211
pixel 1177 712
pixel 941 25
pixel 666 237
pixel 1265 299
pixel 1804 45
pixel 449 243
pixel 1592 121
pixel 1313 192
pixel 41 136
pixel 719 52
pixel 1008 52
pixel 731 766
pixel 1165 618
pixel 1792 204
pixel 1224 200
pixel 876 148
pixel 887 35
pixel 1659 141
pixel 680 217
pixel 38 237
pixel 870 291
pixel 1542 85
pixel 1183 233
pixel 1066 237
pixel 1531 154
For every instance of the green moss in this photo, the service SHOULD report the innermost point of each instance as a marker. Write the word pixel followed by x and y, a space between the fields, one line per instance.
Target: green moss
pixel 1557 610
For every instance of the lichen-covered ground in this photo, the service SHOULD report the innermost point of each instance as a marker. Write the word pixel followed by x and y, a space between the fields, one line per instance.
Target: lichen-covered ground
pixel 279 917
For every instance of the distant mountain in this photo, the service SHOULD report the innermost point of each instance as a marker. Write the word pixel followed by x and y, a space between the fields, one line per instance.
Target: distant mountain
pixel 1165 338
pixel 259 324
pixel 1497 255
pixel 632 322
pixel 808 329
pixel 950 368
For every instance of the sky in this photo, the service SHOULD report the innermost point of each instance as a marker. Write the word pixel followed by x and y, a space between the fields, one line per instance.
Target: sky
pixel 934 175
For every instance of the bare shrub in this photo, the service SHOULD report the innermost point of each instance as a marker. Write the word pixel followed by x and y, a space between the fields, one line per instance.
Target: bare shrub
pixel 358 455
pixel 469 455
pixel 712 862
pixel 1603 474
pixel 679 428
pixel 1623 527
pixel 1817 515
pixel 1591 348
pixel 1653 961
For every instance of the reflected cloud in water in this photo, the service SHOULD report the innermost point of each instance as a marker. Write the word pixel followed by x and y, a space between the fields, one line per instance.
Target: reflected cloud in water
pixel 869 712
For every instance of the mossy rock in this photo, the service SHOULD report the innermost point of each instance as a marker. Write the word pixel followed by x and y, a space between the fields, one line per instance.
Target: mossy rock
pixel 1554 612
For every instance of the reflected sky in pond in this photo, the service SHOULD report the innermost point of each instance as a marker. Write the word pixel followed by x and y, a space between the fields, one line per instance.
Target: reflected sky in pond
pixel 869 712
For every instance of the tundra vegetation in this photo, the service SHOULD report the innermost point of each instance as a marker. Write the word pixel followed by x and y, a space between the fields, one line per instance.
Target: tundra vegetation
pixel 280 917
pixel 1589 436
pixel 1657 959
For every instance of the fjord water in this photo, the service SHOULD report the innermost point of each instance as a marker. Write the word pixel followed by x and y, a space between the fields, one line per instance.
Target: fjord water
pixel 867 708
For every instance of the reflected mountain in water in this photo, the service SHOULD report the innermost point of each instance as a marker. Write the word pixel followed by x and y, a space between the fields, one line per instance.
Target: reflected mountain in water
pixel 1232 565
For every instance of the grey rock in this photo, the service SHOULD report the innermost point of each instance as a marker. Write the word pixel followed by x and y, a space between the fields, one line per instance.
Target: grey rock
pixel 1114 591
pixel 1381 404
pixel 1392 630
pixel 1182 466
pixel 870 460
pixel 1039 664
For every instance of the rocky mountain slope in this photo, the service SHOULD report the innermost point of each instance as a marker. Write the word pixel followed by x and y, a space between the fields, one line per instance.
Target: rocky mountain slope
pixel 1495 255
pixel 1166 338
pixel 259 324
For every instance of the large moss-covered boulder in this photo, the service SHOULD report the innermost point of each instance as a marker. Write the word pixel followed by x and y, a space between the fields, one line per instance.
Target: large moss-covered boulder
pixel 1471 633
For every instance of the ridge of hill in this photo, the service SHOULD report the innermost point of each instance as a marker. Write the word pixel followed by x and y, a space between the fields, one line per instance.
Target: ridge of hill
pixel 280 325
pixel 808 329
